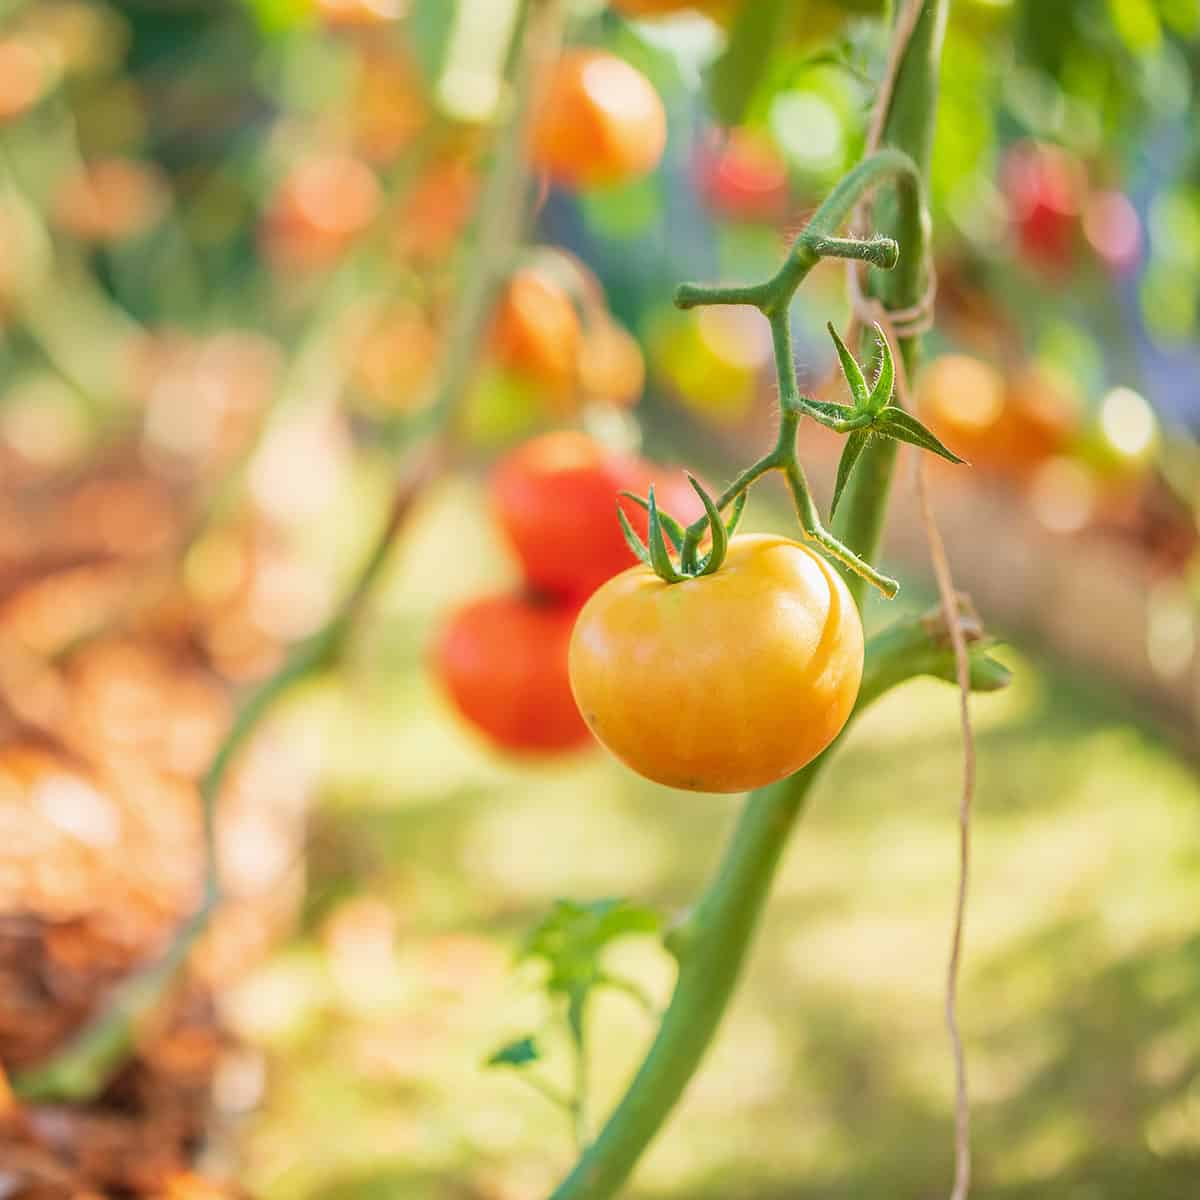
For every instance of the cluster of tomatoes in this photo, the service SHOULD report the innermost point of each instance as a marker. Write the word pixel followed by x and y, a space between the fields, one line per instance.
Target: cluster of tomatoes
pixel 502 659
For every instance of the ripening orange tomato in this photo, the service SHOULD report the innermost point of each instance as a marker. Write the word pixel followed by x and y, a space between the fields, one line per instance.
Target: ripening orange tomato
pixel 503 662
pixel 600 122
pixel 722 682
pixel 321 206
pixel 537 331
pixel 611 367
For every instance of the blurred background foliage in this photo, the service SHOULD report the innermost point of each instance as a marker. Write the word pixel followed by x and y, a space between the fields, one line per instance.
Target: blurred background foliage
pixel 233 235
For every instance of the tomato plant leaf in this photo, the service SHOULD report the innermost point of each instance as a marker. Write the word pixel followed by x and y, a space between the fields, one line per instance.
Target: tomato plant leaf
pixel 851 370
pixel 885 381
pixel 518 1053
pixel 855 444
pixel 895 423
pixel 634 542
pixel 720 536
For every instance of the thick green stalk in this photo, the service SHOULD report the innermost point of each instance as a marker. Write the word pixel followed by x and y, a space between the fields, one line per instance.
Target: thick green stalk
pixel 909 127
pixel 712 944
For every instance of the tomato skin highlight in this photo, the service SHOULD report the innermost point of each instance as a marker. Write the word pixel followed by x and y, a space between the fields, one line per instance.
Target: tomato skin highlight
pixel 503 662
pixel 555 498
pixel 725 682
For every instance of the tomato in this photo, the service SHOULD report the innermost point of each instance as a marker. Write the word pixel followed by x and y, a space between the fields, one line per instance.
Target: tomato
pixel 743 177
pixel 1044 186
pixel 1113 230
pixel 358 13
pixel 503 662
pixel 555 498
pixel 537 331
pixel 962 400
pixel 723 682
pixel 322 205
pixel 392 358
pixel 611 368
pixel 25 73
pixel 431 218
pixel 600 122
pixel 111 200
pixel 713 359
pixel 1041 417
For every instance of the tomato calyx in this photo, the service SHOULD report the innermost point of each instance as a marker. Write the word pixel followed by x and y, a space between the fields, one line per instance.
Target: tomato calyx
pixel 661 526
pixel 872 412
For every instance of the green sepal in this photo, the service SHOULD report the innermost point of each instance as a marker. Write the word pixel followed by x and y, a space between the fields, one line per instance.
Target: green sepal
pixel 831 414
pixel 519 1053
pixel 720 535
pixel 855 444
pixel 852 371
pixel 671 527
pixel 885 381
pixel 895 423
pixel 632 540
pixel 660 556
pixel 739 507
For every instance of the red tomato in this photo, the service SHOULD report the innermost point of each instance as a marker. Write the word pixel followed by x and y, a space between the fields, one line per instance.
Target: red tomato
pixel 1045 187
pixel 555 497
pixel 503 661
pixel 743 177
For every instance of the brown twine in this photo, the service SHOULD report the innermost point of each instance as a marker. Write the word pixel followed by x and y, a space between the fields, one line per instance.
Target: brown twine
pixel 897 324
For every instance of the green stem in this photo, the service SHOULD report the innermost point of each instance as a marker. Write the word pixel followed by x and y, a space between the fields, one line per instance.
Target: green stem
pixel 909 125
pixel 712 945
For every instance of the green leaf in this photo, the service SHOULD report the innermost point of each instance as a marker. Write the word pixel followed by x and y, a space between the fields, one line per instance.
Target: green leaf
pixel 671 527
pixel 660 556
pixel 885 381
pixel 572 936
pixel 720 536
pixel 739 506
pixel 634 542
pixel 734 78
pixel 855 444
pixel 518 1054
pixel 851 369
pixel 895 423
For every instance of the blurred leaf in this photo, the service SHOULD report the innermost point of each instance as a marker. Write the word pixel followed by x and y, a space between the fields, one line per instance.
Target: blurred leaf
pixel 571 937
pixel 519 1053
pixel 279 16
pixel 735 76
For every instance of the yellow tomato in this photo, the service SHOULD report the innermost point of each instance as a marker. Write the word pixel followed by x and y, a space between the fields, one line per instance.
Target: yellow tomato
pixel 723 682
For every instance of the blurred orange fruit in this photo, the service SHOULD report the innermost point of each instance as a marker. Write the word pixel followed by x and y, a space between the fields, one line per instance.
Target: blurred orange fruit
pixel 600 122
pixel 962 400
pixel 111 200
pixel 537 332
pixel 393 357
pixel 320 207
pixel 358 13
pixel 430 219
pixel 24 75
pixel 611 367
